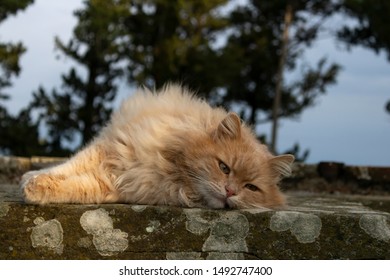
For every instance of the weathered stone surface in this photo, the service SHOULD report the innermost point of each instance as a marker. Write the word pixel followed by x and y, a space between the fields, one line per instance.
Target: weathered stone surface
pixel 312 227
pixel 326 223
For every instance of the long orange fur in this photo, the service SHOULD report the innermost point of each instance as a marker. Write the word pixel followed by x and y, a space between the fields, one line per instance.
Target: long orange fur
pixel 167 148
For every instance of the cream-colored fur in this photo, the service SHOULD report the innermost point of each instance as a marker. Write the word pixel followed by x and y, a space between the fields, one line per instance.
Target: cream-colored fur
pixel 166 148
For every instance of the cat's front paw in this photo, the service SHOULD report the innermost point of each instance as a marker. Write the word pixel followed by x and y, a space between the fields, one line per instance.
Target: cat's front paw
pixel 37 188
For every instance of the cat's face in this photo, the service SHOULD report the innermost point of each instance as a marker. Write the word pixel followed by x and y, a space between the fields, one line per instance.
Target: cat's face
pixel 232 170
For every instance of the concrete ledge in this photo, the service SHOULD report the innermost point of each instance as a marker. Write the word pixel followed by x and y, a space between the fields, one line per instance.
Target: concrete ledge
pixel 311 228
pixel 316 225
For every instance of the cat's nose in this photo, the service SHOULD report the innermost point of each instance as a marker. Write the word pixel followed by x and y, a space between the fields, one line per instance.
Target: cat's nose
pixel 229 192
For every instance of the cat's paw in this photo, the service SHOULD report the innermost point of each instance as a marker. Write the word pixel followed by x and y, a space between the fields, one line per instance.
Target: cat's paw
pixel 28 175
pixel 37 188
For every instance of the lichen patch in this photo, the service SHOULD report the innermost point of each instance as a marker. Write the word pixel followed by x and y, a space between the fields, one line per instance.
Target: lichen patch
pixel 93 221
pixel 47 234
pixel 4 208
pixel 195 223
pixel 153 225
pixel 107 240
pixel 138 208
pixel 376 226
pixel 305 227
pixel 227 231
pixel 228 234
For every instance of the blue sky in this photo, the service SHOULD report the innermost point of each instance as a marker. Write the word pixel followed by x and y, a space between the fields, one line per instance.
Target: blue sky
pixel 348 124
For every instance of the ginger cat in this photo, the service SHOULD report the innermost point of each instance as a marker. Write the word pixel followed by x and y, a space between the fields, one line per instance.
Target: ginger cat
pixel 167 148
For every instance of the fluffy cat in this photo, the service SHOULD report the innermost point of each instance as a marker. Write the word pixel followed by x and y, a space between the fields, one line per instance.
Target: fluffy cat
pixel 167 148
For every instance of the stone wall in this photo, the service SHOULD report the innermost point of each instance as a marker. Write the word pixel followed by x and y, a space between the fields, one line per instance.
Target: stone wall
pixel 335 177
pixel 317 224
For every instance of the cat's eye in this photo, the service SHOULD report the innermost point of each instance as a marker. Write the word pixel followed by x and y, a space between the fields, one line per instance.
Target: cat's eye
pixel 251 187
pixel 224 168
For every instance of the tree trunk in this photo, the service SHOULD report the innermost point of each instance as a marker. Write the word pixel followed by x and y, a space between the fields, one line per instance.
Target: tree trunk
pixel 279 79
pixel 89 110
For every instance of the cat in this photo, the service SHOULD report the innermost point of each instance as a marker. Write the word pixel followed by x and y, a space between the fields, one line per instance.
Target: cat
pixel 167 148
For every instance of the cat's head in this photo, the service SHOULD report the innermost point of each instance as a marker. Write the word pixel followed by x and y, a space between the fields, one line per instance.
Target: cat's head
pixel 229 168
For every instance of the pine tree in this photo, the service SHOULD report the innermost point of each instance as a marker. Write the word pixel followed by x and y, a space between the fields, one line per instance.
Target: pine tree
pixel 373 25
pixel 373 28
pixel 83 104
pixel 253 54
pixel 10 52
pixel 159 41
pixel 11 129
pixel 172 40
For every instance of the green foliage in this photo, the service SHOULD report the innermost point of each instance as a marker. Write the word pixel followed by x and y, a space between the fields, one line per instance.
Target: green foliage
pixel 373 27
pixel 253 52
pixel 296 151
pixel 171 40
pixel 156 41
pixel 9 52
pixel 252 57
pixel 9 64
pixel 159 41
pixel 11 7
pixel 83 104
pixel 14 130
pixel 20 135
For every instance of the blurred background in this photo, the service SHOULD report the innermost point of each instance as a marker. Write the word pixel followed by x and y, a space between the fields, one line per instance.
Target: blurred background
pixel 312 77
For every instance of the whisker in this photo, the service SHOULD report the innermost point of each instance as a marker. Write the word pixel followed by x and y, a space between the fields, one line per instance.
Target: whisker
pixel 215 188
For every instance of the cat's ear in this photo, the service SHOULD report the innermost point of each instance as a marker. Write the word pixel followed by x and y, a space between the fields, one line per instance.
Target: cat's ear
pixel 229 127
pixel 281 165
